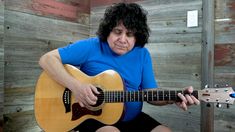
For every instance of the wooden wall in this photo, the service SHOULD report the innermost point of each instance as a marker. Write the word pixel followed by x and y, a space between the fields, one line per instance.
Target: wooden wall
pixel 224 59
pixel 176 54
pixel 1 62
pixel 32 28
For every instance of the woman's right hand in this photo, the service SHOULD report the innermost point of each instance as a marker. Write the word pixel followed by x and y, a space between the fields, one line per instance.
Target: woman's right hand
pixel 85 94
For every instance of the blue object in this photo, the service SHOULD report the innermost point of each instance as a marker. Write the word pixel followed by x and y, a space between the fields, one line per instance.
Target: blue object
pixel 232 95
pixel 94 57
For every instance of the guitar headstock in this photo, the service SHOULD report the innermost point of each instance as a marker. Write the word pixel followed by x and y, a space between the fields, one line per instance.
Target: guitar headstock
pixel 217 95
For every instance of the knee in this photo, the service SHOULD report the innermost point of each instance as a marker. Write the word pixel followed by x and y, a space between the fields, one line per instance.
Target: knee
pixel 161 128
pixel 108 129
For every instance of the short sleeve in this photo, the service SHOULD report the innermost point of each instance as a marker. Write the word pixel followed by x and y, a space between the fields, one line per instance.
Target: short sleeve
pixel 76 53
pixel 148 79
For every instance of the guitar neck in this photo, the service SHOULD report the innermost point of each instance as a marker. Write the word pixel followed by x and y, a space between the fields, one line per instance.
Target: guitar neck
pixel 140 96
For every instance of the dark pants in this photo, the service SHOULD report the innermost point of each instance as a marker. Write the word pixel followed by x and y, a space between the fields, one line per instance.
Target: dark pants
pixel 142 123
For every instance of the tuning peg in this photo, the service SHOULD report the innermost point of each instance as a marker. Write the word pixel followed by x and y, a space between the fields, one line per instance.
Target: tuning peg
pixel 206 86
pixel 216 85
pixel 228 106
pixel 218 105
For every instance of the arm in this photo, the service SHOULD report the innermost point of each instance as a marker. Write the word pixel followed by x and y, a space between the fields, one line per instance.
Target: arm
pixel 51 63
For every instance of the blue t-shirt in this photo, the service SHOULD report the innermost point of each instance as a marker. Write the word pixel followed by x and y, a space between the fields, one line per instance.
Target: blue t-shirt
pixel 94 57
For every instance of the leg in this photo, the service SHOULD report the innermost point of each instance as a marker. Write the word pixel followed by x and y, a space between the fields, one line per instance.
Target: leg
pixel 142 123
pixel 161 128
pixel 108 129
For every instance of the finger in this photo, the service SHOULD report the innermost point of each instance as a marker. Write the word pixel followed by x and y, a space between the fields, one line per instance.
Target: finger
pixel 81 104
pixel 90 101
pixel 184 106
pixel 189 99
pixel 87 101
pixel 189 89
pixel 195 100
pixel 91 95
pixel 181 96
pixel 95 90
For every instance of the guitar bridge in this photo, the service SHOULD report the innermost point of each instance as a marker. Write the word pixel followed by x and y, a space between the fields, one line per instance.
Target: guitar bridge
pixel 67 100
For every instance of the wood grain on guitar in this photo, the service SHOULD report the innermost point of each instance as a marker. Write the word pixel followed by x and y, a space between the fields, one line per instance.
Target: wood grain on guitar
pixel 57 111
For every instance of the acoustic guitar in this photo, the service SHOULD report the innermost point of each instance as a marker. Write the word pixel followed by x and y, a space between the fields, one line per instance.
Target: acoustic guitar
pixel 57 111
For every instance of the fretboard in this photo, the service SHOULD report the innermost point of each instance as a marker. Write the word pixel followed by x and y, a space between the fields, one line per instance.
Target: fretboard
pixel 140 96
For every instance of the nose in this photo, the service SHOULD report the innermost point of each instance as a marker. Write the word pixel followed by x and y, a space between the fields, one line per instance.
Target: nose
pixel 122 38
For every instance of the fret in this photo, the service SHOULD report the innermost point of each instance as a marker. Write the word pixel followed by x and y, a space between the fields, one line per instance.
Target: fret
pixel 163 95
pixel 157 95
pixel 195 94
pixel 160 95
pixel 115 96
pixel 173 95
pixel 141 96
pixel 169 95
pixel 137 96
pixel 130 98
pixel 152 95
pixel 110 97
pixel 118 96
pixel 105 96
pixel 178 91
pixel 121 96
pixel 145 95
pixel 149 95
pixel 166 95
pixel 132 94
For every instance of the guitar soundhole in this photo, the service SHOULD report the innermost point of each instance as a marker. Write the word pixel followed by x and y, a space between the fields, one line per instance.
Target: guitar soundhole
pixel 100 97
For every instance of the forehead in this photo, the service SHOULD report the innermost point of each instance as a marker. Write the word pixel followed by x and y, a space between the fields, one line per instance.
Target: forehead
pixel 120 26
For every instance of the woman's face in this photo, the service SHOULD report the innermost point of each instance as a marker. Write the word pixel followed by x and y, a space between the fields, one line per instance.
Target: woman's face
pixel 121 40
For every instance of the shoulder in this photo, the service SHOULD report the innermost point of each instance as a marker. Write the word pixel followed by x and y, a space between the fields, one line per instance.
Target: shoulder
pixel 142 51
pixel 88 41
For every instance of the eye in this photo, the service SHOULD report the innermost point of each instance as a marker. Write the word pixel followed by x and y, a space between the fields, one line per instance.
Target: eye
pixel 117 31
pixel 130 34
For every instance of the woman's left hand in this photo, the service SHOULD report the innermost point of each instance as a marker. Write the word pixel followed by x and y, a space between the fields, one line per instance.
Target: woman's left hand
pixel 187 99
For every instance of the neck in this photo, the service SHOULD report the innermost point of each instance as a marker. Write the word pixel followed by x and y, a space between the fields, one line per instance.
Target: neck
pixel 140 96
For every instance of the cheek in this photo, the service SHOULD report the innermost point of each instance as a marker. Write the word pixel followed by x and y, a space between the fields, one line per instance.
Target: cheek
pixel 111 38
pixel 132 44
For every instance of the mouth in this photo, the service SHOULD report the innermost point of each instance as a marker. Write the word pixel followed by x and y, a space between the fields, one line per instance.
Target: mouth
pixel 120 46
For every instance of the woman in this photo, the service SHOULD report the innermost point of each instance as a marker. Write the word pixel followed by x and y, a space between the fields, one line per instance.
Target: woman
pixel 119 46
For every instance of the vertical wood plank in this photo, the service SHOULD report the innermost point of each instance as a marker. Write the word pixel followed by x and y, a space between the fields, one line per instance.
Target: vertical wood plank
pixel 1 63
pixel 207 109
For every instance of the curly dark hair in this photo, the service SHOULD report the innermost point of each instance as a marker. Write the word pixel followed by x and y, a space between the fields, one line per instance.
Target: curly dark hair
pixel 133 17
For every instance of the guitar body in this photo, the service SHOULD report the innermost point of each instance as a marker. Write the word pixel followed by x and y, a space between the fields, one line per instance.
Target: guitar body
pixel 49 106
